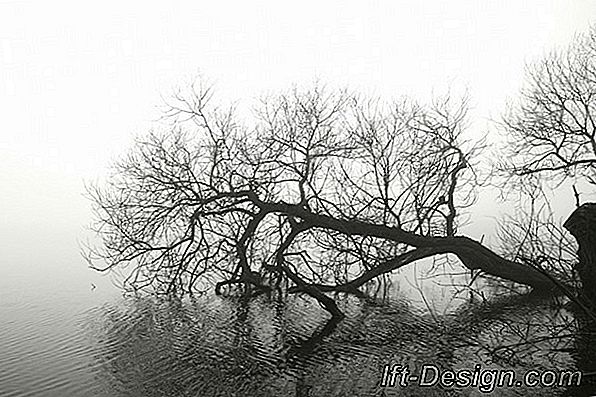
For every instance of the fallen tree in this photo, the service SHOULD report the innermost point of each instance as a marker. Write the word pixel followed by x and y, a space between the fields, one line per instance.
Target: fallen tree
pixel 326 191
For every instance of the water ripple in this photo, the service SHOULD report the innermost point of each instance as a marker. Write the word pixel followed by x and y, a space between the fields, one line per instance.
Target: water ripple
pixel 216 346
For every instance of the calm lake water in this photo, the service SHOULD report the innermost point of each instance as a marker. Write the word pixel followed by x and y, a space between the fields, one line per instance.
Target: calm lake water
pixel 61 336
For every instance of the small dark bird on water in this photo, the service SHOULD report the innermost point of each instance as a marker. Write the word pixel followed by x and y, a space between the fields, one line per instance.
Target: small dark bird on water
pixel 93 286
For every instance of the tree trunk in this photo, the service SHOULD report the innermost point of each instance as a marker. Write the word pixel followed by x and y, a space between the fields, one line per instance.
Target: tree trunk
pixel 582 225
pixel 472 253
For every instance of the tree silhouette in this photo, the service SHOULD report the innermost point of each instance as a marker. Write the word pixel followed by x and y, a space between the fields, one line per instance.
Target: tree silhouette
pixel 323 191
pixel 552 128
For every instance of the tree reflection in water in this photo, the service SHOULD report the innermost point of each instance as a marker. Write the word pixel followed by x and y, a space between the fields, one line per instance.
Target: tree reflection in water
pixel 224 346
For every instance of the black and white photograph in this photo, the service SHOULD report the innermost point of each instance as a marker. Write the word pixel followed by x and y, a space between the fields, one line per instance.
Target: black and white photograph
pixel 302 199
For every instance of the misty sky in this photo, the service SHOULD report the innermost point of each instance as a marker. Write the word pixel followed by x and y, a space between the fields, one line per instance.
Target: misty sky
pixel 79 79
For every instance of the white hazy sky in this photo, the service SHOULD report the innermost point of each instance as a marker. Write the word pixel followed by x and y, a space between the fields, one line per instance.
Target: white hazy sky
pixel 78 79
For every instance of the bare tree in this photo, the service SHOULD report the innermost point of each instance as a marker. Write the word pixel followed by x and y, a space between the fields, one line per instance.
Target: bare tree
pixel 325 191
pixel 552 129
pixel 551 135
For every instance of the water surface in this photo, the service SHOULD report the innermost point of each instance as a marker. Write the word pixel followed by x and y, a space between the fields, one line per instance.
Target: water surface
pixel 63 336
